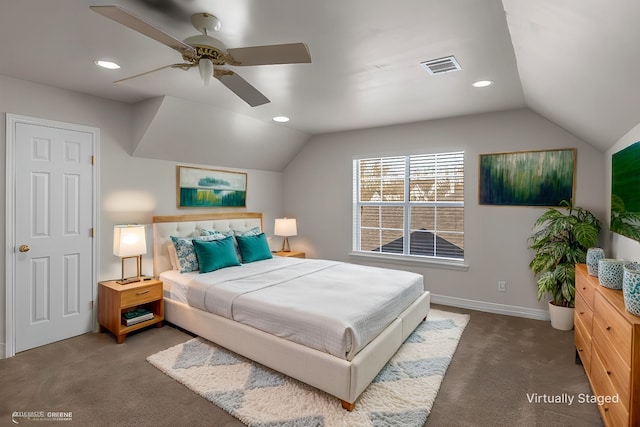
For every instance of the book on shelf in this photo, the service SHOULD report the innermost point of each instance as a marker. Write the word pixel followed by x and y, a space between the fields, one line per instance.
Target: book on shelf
pixel 136 315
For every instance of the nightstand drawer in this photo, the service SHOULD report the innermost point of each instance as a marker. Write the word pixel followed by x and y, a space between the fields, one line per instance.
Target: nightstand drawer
pixel 140 295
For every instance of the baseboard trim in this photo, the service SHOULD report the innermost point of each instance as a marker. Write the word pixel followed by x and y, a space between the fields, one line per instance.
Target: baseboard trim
pixel 491 307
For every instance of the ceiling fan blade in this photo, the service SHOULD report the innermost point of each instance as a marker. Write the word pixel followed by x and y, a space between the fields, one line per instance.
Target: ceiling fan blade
pixel 138 24
pixel 184 66
pixel 292 53
pixel 240 87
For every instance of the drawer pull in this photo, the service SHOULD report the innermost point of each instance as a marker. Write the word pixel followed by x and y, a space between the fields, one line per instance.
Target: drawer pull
pixel 608 372
pixel 582 312
pixel 608 328
pixel 142 292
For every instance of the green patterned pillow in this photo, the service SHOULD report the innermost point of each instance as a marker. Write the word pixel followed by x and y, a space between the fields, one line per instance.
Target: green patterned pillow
pixel 252 232
pixel 219 234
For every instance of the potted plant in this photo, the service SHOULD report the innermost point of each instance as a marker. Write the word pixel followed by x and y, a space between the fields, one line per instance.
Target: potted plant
pixel 560 241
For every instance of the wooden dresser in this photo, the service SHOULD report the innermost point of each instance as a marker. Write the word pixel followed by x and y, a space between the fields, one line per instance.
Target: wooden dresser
pixel 607 341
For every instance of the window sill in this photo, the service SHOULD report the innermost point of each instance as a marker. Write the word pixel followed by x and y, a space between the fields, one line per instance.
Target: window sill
pixel 411 260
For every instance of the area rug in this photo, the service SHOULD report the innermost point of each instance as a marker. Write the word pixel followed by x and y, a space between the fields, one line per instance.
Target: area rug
pixel 401 395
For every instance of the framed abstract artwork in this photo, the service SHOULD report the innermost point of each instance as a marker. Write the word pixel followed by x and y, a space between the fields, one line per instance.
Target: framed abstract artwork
pixel 625 192
pixel 527 178
pixel 207 188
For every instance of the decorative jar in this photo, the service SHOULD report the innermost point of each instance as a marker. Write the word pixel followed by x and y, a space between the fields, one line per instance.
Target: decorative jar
pixel 631 288
pixel 593 256
pixel 610 272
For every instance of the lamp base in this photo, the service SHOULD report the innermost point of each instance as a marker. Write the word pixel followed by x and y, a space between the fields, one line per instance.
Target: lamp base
pixel 133 279
pixel 285 245
pixel 137 278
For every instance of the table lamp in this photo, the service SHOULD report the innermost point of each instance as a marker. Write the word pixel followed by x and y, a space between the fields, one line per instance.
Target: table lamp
pixel 129 241
pixel 285 227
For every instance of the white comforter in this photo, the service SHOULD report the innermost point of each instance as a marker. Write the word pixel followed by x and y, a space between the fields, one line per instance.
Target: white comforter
pixel 330 306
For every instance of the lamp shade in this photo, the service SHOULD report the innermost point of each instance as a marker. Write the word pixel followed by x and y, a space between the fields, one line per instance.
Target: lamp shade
pixel 285 227
pixel 129 240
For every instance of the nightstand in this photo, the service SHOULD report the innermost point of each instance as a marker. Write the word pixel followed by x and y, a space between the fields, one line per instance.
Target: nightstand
pixel 114 299
pixel 292 254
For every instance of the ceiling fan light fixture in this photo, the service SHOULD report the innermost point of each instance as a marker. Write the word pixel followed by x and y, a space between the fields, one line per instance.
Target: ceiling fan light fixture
pixel 106 64
pixel 205 66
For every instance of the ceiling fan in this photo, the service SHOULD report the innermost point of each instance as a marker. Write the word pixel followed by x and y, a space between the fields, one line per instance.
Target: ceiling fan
pixel 209 54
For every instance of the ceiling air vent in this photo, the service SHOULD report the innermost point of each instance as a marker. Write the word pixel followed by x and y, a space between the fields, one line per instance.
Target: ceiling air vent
pixel 441 65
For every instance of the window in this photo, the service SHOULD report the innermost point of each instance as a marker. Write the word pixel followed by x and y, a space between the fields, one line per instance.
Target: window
pixel 410 205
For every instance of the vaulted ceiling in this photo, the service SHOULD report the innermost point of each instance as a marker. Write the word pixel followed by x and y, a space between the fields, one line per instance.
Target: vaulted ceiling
pixel 575 62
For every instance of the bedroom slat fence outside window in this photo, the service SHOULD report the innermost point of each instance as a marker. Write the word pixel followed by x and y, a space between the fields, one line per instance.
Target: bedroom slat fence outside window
pixel 410 205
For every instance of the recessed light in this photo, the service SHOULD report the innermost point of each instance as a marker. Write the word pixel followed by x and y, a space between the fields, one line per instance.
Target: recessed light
pixel 107 64
pixel 281 119
pixel 482 83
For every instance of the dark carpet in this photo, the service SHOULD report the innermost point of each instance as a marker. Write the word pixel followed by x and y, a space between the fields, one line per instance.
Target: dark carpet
pixel 502 363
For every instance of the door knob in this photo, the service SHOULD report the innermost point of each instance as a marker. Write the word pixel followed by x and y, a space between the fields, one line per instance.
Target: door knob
pixel 24 248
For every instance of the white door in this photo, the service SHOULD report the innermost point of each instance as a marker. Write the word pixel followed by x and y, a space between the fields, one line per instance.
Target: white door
pixel 53 227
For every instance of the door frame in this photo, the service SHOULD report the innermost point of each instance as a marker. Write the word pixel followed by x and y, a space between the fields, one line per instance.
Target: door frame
pixel 10 254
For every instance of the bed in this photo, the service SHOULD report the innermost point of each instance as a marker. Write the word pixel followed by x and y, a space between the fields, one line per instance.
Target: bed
pixel 342 372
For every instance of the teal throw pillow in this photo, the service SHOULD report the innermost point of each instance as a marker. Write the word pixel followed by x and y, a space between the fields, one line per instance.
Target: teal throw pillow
pixel 254 248
pixel 216 254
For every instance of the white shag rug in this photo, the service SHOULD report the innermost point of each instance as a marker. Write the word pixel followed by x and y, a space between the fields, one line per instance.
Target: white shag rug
pixel 401 395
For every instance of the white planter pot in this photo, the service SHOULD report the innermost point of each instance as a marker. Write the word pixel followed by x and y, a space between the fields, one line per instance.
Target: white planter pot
pixel 561 317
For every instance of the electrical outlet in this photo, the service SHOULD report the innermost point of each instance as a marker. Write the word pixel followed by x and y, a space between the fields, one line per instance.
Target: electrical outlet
pixel 502 286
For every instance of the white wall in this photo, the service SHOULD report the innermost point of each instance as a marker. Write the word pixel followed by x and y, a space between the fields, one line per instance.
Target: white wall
pixel 317 184
pixel 132 190
pixel 619 246
pixel 318 188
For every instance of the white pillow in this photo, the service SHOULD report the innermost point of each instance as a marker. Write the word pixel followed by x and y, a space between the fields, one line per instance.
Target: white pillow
pixel 173 256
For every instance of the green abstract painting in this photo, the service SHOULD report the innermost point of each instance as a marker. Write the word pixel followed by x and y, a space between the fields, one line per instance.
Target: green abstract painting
pixel 625 192
pixel 198 187
pixel 527 178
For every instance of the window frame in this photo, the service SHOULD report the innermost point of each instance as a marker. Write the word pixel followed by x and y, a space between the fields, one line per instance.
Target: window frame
pixel 407 204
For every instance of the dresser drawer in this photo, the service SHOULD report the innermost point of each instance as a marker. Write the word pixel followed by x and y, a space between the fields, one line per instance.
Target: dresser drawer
pixel 618 373
pixel 583 312
pixel 614 414
pixel 583 345
pixel 140 295
pixel 609 325
pixel 584 286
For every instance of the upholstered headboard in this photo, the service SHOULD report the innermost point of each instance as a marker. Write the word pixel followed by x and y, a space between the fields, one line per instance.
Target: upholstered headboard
pixel 183 225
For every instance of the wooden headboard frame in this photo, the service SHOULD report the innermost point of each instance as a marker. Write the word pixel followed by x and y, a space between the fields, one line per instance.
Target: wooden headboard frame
pixel 184 225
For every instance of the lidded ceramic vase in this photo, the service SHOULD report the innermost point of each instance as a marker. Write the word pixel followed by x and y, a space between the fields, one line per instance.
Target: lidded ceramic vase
pixel 593 256
pixel 610 272
pixel 631 288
